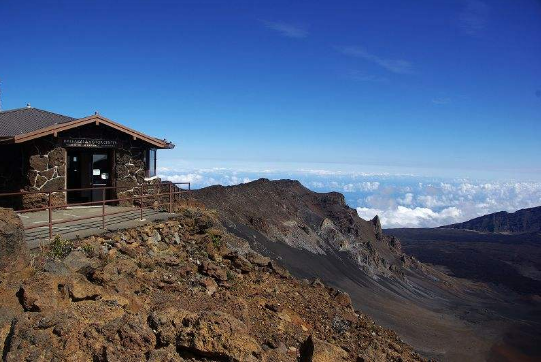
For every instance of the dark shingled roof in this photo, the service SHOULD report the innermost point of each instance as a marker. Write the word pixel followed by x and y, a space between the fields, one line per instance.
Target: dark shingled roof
pixel 24 120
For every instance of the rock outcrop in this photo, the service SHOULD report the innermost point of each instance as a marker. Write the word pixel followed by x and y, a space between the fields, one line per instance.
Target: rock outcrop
pixel 285 211
pixel 180 290
pixel 14 254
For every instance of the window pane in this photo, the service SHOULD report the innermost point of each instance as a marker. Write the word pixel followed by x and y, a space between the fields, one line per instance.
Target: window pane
pixel 152 162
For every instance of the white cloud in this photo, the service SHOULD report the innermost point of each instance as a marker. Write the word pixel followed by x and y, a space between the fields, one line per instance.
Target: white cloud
pixel 402 216
pixel 287 30
pixel 361 186
pixel 192 178
pixel 399 66
pixel 448 202
pixel 406 200
pixel 400 200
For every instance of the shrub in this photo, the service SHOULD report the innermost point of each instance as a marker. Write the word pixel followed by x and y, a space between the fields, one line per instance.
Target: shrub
pixel 88 250
pixel 216 240
pixel 59 248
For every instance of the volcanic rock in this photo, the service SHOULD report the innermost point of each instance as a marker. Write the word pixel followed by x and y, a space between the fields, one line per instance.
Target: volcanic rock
pixel 14 254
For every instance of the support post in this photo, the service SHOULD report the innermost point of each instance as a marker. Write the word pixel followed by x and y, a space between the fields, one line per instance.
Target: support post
pixel 170 198
pixel 141 202
pixel 103 208
pixel 50 217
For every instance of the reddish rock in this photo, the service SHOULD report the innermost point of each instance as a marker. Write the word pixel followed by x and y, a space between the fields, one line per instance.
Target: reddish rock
pixel 45 292
pixel 14 254
pixel 315 350
pixel 219 335
pixel 213 270
pixel 343 299
pixel 240 262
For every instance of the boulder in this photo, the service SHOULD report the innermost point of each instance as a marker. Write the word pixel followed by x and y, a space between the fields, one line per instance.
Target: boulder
pixel 279 270
pixel 343 299
pixel 79 262
pixel 44 292
pixel 166 323
pixel 241 263
pixel 81 289
pixel 210 285
pixel 14 253
pixel 257 259
pixel 213 270
pixel 128 338
pixel 220 336
pixel 316 350
pixel 56 267
pixel 215 335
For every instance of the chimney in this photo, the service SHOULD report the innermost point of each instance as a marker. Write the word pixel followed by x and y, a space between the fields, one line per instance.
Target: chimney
pixel 28 105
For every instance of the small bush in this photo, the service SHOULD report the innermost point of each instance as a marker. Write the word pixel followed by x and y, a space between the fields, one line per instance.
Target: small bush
pixel 60 248
pixel 216 240
pixel 231 276
pixel 88 250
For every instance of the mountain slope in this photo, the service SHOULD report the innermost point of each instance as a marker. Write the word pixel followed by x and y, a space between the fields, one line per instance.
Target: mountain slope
pixel 287 212
pixel 521 221
pixel 179 290
pixel 318 235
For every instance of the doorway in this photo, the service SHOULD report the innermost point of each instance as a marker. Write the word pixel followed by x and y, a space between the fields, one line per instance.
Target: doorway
pixel 89 169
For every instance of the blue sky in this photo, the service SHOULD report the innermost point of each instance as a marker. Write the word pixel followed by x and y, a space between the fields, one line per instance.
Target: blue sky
pixel 445 92
pixel 437 87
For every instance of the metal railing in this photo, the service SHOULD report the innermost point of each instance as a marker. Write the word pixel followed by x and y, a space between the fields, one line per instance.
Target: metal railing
pixel 138 196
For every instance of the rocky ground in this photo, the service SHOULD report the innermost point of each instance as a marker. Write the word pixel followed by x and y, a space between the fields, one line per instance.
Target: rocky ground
pixel 181 290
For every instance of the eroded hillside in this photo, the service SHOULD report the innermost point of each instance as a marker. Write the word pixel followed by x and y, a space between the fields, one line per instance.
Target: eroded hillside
pixel 181 290
pixel 319 235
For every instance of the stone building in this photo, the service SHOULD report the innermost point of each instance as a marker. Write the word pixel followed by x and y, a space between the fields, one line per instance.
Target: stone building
pixel 45 151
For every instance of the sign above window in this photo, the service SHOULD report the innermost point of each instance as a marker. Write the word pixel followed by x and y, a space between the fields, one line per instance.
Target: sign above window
pixel 90 143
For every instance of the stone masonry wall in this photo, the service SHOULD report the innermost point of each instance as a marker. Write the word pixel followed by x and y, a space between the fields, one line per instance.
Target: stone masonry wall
pixel 130 172
pixel 45 171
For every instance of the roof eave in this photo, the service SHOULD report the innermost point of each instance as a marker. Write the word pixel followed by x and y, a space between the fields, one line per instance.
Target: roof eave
pixel 4 140
pixel 88 120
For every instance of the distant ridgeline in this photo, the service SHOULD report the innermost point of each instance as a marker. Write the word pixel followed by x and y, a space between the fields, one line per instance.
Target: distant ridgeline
pixel 521 221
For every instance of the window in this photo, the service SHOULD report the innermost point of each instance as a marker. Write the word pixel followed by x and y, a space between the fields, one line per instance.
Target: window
pixel 151 162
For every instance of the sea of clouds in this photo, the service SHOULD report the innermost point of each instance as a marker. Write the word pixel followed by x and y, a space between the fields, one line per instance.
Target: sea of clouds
pixel 400 200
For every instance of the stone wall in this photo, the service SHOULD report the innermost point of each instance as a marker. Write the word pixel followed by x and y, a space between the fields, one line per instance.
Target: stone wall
pixel 130 172
pixel 45 171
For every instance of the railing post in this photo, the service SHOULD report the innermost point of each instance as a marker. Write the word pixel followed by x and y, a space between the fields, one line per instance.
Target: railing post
pixel 170 198
pixel 141 202
pixel 50 217
pixel 103 208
